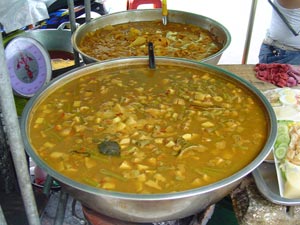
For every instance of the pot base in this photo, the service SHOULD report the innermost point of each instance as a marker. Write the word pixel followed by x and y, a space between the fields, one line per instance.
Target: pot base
pixel 94 218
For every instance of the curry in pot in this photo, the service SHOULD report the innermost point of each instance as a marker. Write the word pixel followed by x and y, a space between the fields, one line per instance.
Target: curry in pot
pixel 137 130
pixel 131 39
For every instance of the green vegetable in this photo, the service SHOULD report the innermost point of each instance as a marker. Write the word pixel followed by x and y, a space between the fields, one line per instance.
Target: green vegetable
pixel 282 128
pixel 282 140
pixel 209 170
pixel 112 174
pixel 280 152
pixel 86 154
pixel 91 182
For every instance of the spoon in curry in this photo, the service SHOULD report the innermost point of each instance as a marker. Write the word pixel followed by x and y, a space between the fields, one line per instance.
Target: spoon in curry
pixel 164 12
pixel 151 55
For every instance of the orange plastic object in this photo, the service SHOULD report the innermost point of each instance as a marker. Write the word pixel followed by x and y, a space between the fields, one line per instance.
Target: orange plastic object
pixel 134 4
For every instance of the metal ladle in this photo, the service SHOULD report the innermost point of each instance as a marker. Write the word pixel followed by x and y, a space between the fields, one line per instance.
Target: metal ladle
pixel 151 55
pixel 164 12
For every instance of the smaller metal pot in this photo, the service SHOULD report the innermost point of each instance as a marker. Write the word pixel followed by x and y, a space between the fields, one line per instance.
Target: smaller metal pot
pixel 220 33
pixel 54 39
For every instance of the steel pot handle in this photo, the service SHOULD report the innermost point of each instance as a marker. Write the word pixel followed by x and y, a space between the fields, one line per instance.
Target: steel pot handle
pixel 66 25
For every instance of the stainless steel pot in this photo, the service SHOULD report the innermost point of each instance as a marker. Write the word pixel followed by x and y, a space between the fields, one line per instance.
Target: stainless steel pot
pixel 221 34
pixel 153 207
pixel 54 39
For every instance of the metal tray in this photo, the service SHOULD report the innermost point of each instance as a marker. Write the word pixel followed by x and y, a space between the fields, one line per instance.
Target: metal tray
pixel 266 181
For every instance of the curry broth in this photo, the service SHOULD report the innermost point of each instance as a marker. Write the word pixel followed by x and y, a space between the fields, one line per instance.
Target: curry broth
pixel 177 128
pixel 131 39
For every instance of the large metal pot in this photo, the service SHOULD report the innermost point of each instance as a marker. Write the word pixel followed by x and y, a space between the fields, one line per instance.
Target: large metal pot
pixel 151 207
pixel 221 34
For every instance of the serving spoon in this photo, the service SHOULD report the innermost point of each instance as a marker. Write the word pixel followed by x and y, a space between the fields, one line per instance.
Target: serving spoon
pixel 164 12
pixel 151 55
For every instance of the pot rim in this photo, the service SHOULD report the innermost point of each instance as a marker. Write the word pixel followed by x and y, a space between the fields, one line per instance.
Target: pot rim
pixel 272 123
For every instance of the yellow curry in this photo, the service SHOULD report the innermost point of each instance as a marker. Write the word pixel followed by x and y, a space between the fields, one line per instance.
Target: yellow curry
pixel 130 39
pixel 173 128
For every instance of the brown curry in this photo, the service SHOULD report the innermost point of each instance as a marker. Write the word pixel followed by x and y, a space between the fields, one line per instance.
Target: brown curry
pixel 130 39
pixel 175 128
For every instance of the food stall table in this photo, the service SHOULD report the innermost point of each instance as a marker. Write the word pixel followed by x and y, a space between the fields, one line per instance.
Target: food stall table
pixel 246 71
pixel 249 204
